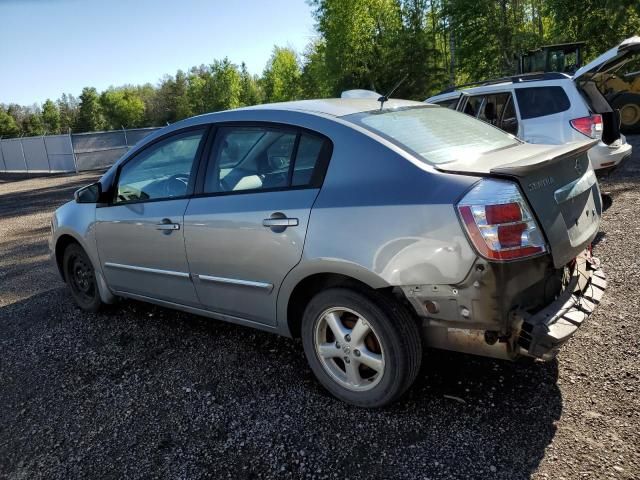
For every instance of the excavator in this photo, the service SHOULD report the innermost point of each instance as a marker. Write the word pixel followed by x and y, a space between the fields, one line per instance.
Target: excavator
pixel 616 73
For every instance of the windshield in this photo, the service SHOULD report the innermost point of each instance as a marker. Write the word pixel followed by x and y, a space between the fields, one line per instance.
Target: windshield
pixel 436 135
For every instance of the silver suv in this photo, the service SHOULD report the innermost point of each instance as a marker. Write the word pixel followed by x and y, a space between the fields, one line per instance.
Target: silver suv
pixel 552 108
pixel 367 228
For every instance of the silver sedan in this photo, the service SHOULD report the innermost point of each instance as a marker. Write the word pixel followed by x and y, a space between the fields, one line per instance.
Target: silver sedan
pixel 368 229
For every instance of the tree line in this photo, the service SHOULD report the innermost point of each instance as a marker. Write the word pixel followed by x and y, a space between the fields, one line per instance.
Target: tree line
pixel 360 44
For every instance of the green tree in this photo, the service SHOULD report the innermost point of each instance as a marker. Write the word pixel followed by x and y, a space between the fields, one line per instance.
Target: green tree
pixel 281 77
pixel 197 96
pixel 149 96
pixel 225 86
pixel 90 117
pixel 8 125
pixel 360 37
pixel 172 100
pixel 250 93
pixel 601 23
pixel 68 107
pixel 316 80
pixel 20 115
pixel 122 107
pixel 34 125
pixel 51 117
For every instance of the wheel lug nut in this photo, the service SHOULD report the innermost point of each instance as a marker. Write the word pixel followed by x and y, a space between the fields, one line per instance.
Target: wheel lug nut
pixel 337 344
pixel 346 360
pixel 347 337
pixel 356 353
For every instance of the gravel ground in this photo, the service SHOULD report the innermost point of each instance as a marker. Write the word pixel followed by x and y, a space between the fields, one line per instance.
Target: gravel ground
pixel 141 391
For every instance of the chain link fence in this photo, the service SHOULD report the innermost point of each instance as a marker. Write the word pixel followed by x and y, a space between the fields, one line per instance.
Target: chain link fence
pixel 67 153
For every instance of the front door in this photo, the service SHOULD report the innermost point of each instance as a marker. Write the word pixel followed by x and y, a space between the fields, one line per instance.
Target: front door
pixel 140 235
pixel 247 230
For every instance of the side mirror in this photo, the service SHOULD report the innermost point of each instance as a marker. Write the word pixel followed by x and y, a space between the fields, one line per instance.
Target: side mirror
pixel 89 194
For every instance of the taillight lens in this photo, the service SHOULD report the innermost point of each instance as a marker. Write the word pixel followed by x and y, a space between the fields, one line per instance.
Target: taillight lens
pixel 499 222
pixel 590 126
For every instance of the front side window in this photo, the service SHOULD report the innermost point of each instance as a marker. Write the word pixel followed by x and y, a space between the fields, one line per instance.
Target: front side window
pixel 262 158
pixel 161 171
pixel 541 101
pixel 436 135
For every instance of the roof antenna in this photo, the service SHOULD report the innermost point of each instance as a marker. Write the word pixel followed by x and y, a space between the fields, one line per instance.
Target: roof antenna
pixel 385 98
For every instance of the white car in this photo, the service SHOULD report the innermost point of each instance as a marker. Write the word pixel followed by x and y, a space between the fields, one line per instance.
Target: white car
pixel 552 108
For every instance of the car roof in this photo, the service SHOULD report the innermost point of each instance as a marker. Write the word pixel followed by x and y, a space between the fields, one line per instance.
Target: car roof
pixel 337 107
pixel 499 87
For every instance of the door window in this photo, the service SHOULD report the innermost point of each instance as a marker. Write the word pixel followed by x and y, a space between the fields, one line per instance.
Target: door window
pixel 540 101
pixel 307 159
pixel 496 109
pixel 452 103
pixel 162 171
pixel 261 158
pixel 473 105
pixel 509 121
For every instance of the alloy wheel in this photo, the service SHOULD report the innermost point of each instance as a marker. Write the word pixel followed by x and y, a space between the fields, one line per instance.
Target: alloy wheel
pixel 349 349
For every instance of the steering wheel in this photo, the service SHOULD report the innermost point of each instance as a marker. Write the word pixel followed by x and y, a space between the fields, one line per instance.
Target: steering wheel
pixel 176 183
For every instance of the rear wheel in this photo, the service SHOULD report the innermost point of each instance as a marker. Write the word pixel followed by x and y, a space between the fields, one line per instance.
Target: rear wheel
pixel 81 278
pixel 364 348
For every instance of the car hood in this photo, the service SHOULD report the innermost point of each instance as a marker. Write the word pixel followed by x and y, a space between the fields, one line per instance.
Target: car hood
pixel 610 60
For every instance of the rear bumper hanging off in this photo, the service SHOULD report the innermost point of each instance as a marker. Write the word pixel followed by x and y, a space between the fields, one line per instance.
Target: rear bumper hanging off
pixel 543 333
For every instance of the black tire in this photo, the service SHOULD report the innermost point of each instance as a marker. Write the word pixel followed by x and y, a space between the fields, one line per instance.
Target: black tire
pixel 81 278
pixel 630 102
pixel 393 328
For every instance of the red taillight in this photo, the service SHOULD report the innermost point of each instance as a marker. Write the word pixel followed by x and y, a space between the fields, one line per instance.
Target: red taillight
pixel 499 222
pixel 507 212
pixel 511 235
pixel 590 126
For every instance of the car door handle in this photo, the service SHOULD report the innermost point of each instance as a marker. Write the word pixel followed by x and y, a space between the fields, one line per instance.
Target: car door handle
pixel 167 226
pixel 280 222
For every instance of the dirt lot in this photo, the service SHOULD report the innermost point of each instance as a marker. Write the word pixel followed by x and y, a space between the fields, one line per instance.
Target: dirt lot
pixel 141 391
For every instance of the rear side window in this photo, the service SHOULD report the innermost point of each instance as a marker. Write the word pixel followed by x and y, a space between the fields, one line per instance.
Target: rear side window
pixel 540 101
pixel 436 135
pixel 451 103
pixel 265 158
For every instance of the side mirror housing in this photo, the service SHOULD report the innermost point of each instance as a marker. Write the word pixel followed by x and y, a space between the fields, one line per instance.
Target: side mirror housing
pixel 89 194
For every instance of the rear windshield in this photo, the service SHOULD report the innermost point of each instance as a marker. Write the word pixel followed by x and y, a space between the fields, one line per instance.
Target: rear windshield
pixel 436 135
pixel 540 101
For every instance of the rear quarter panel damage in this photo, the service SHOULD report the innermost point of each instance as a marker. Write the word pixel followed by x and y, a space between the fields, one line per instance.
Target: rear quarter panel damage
pixel 383 218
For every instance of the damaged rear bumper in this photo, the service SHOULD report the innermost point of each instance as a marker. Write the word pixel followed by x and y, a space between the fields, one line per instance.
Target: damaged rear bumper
pixel 490 313
pixel 543 333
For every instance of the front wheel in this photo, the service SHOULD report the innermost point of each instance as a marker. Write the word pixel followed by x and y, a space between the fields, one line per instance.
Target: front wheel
pixel 81 278
pixel 364 348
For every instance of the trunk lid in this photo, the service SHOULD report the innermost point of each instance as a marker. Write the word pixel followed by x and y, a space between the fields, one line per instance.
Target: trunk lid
pixel 610 60
pixel 559 184
pixel 585 79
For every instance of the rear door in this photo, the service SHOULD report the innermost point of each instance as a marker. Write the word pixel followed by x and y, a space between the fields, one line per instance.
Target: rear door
pixel 545 113
pixel 246 229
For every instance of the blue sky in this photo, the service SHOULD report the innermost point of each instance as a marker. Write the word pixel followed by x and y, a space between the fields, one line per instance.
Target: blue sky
pixel 56 46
